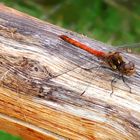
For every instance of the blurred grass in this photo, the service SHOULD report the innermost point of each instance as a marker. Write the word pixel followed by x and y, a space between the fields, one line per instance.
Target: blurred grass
pixel 6 136
pixel 98 19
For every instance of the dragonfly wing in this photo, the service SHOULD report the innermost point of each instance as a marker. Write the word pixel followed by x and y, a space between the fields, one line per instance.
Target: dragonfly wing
pixel 129 48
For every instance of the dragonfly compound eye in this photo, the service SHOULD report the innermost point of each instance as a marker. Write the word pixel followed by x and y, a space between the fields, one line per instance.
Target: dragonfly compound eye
pixel 130 68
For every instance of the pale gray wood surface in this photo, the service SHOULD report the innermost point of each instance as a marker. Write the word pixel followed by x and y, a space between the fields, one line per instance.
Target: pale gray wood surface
pixel 42 77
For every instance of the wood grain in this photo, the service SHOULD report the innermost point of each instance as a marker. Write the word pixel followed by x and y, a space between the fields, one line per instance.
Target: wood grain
pixel 26 131
pixel 42 78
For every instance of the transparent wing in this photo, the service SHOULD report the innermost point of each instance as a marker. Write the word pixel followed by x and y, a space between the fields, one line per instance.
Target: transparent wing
pixel 134 47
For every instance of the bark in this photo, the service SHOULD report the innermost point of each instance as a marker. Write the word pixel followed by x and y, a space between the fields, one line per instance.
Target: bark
pixel 42 78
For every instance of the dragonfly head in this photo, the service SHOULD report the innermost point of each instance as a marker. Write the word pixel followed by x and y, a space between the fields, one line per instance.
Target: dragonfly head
pixel 118 63
pixel 128 68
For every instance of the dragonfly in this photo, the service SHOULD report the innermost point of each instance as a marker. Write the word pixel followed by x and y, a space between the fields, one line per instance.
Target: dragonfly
pixel 113 59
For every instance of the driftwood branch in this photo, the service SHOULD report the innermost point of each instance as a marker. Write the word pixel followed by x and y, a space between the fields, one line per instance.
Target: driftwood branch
pixel 42 78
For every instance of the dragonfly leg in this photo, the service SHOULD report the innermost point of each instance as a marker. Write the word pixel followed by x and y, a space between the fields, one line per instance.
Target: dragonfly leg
pixel 126 83
pixel 112 85
pixel 88 69
pixel 82 92
pixel 98 67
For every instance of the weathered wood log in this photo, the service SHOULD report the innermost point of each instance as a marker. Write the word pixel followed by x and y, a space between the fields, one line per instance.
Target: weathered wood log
pixel 42 78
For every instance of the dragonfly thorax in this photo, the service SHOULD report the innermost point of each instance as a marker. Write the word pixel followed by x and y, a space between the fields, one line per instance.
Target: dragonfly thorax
pixel 117 63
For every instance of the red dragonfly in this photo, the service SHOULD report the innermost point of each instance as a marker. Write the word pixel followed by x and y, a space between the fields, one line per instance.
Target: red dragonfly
pixel 114 59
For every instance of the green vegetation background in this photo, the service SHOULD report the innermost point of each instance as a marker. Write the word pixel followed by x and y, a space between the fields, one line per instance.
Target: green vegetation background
pixel 6 136
pixel 111 21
